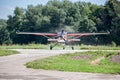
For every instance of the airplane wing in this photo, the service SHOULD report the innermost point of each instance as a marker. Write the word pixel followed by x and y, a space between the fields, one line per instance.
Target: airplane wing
pixel 38 34
pixel 86 34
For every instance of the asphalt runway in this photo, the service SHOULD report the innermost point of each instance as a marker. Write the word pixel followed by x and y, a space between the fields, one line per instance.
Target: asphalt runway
pixel 12 67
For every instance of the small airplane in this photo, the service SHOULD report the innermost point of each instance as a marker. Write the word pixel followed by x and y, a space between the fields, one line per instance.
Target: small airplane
pixel 62 37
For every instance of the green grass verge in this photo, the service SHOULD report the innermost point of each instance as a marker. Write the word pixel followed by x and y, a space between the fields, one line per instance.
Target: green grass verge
pixel 28 46
pixel 58 47
pixel 89 47
pixel 7 52
pixel 66 62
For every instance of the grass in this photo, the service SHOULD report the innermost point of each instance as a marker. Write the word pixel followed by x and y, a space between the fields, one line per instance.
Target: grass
pixel 99 47
pixel 7 52
pixel 66 62
pixel 28 46
pixel 58 47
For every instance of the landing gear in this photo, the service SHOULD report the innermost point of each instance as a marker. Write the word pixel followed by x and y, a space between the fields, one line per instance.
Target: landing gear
pixel 63 47
pixel 51 47
pixel 72 48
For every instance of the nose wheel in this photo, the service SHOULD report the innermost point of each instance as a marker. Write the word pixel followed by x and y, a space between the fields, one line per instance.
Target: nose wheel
pixel 51 47
pixel 63 47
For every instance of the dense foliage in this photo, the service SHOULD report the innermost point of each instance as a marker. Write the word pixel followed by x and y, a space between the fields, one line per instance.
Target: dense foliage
pixel 4 34
pixel 56 14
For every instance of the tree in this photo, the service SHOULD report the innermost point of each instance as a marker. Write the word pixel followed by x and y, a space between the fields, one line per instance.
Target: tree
pixel 112 19
pixel 4 34
pixel 15 23
pixel 86 25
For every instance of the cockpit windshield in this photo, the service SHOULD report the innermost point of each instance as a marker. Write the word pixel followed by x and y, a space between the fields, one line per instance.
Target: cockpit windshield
pixel 62 33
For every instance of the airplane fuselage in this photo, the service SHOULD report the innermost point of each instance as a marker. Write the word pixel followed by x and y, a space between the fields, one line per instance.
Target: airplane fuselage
pixel 63 38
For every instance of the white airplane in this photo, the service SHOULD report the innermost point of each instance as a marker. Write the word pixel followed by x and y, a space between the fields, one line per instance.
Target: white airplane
pixel 61 37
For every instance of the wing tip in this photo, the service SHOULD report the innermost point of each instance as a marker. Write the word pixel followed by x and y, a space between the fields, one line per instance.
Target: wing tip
pixel 17 32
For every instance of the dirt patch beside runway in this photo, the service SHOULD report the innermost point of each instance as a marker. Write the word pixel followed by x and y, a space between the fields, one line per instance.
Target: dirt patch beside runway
pixel 116 58
pixel 82 57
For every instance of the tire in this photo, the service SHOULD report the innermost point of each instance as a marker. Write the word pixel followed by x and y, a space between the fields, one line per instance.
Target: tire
pixel 51 47
pixel 72 48
pixel 63 48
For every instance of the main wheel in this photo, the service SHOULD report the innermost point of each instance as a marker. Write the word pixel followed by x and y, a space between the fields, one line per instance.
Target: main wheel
pixel 63 48
pixel 72 48
pixel 51 47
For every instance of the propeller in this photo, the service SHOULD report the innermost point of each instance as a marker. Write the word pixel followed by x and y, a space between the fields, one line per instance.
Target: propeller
pixel 60 35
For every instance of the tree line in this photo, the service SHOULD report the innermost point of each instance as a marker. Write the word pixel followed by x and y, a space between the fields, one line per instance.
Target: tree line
pixel 56 14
